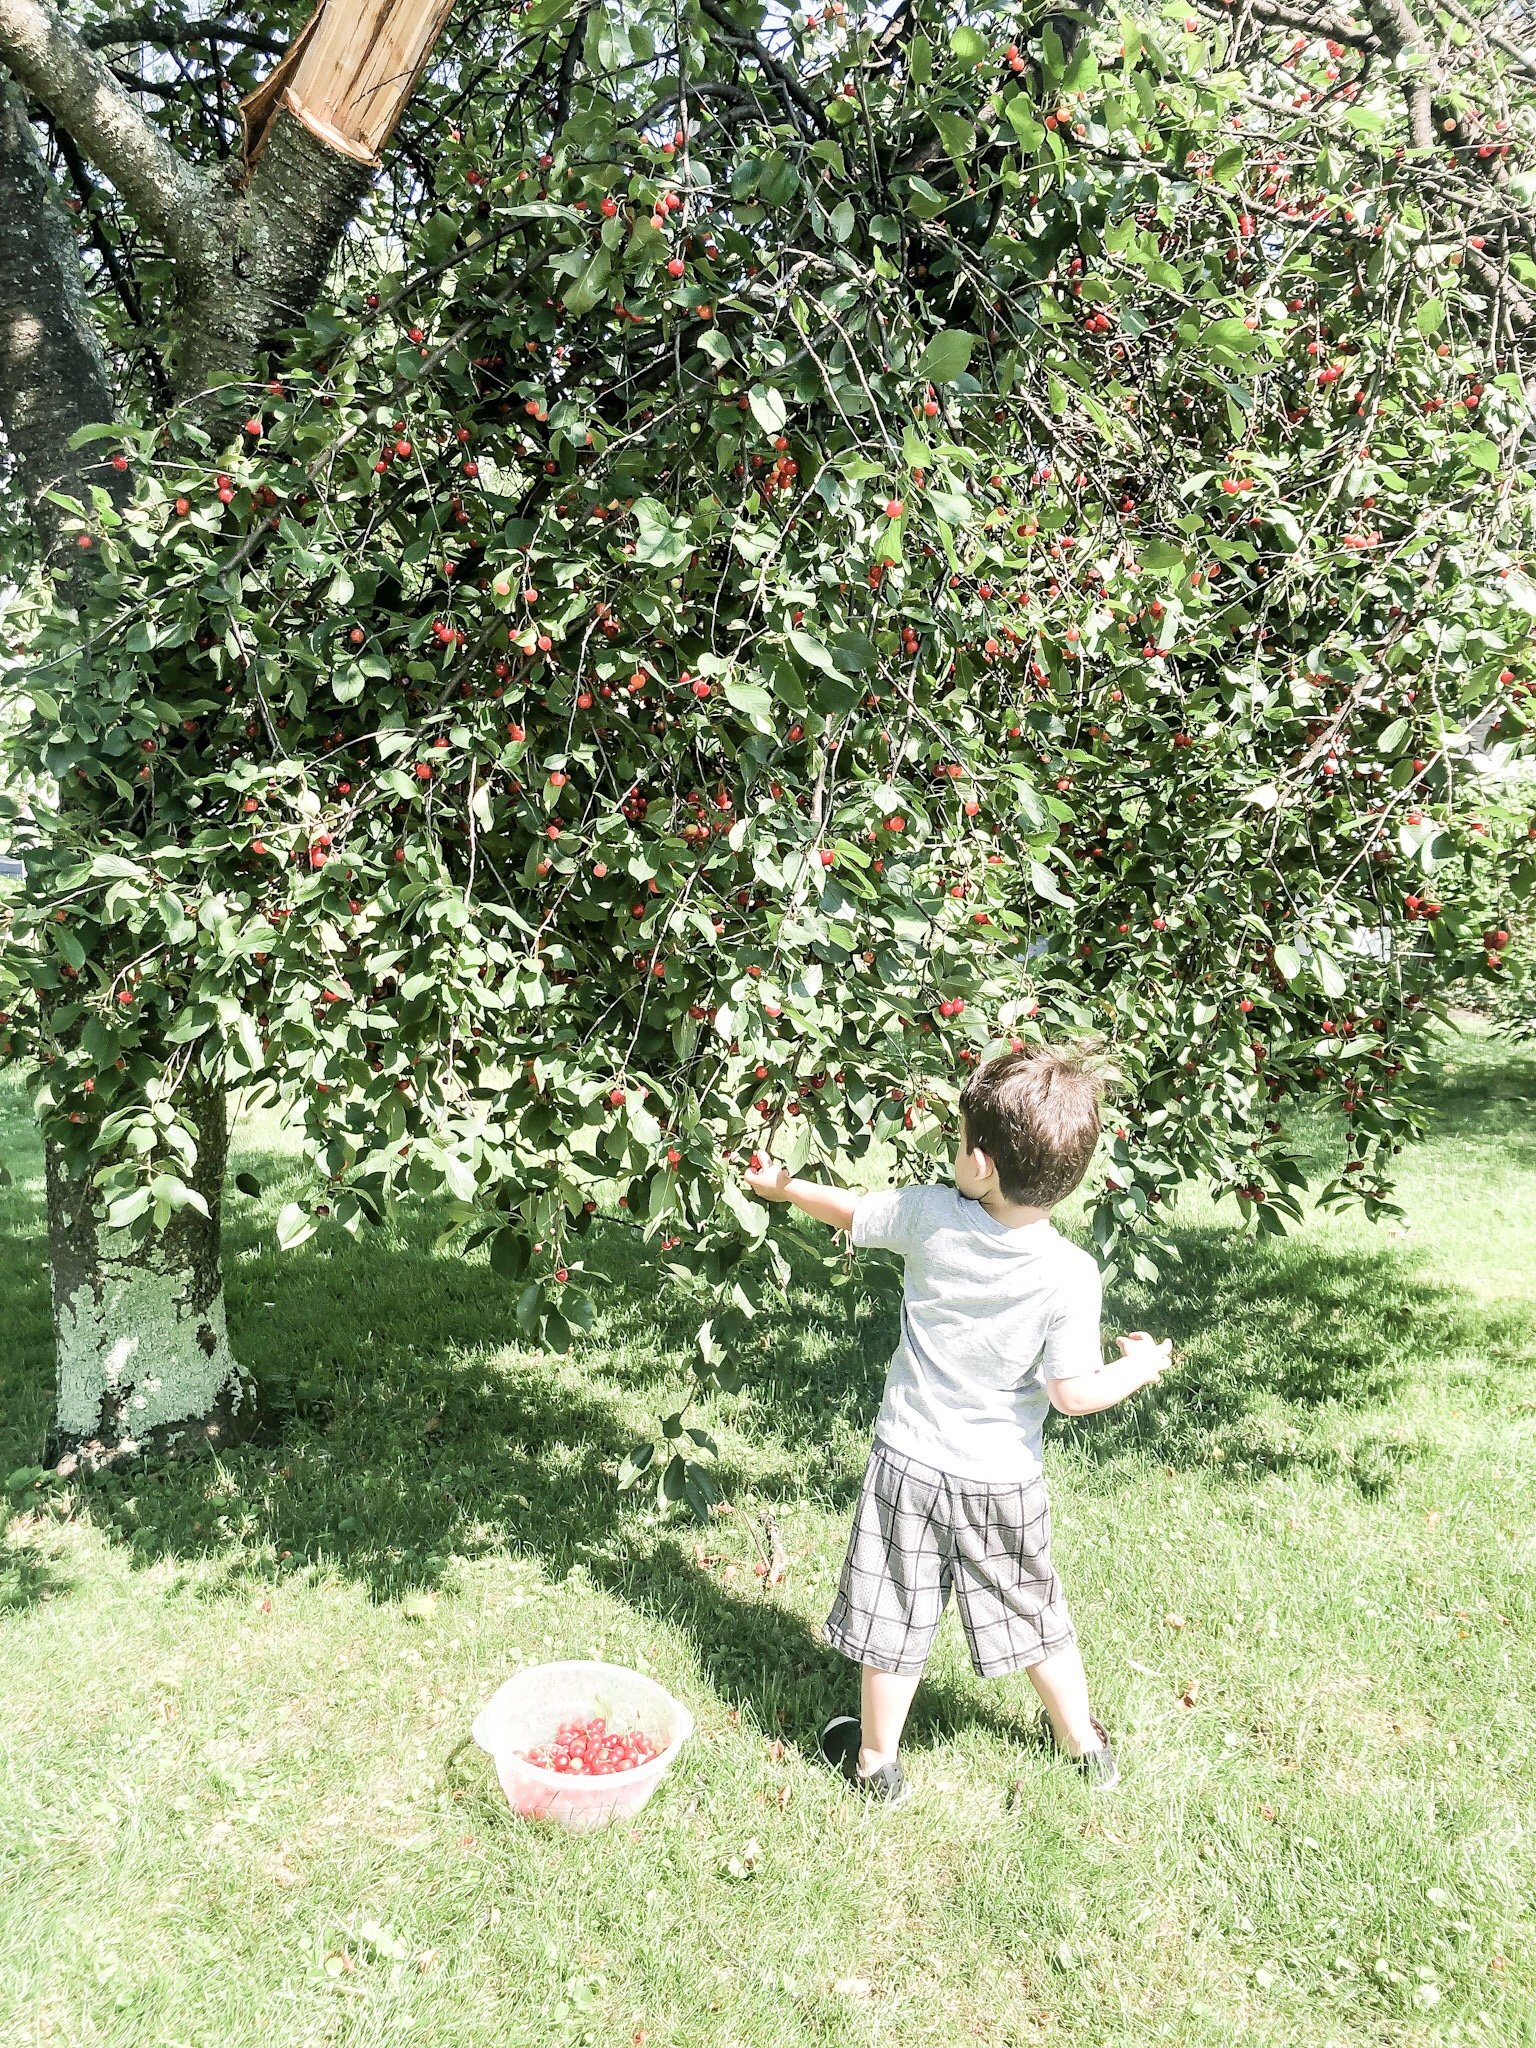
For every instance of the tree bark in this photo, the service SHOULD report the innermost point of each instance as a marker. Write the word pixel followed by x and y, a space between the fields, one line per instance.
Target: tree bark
pixel 53 375
pixel 143 1354
pixel 253 258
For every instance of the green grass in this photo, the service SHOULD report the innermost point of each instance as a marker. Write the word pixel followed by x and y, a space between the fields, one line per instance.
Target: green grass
pixel 234 1808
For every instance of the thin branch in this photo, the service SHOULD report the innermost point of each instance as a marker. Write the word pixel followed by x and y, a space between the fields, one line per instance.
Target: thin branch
pixel 779 72
pixel 1314 21
pixel 128 294
pixel 173 35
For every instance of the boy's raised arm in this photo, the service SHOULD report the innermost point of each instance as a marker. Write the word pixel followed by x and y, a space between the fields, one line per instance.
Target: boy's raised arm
pixel 827 1205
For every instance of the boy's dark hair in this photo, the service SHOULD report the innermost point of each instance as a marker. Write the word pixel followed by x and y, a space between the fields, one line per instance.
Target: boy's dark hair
pixel 1035 1114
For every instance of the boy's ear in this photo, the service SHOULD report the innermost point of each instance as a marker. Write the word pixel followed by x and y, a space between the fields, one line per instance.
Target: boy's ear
pixel 982 1161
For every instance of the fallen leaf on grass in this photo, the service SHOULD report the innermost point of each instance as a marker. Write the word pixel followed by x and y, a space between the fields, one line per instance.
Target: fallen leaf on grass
pixel 746 1863
pixel 852 1987
pixel 1174 1621
pixel 1190 1693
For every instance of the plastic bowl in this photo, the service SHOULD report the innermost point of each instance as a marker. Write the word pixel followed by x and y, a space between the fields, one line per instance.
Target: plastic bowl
pixel 528 1709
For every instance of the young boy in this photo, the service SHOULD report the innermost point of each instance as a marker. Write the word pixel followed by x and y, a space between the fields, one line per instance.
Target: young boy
pixel 999 1321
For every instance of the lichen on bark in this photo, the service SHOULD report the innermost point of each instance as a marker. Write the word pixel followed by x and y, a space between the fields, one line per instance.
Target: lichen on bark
pixel 138 1352
pixel 143 1353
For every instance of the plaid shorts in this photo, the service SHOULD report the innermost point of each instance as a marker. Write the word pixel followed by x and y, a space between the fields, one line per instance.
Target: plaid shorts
pixel 918 1532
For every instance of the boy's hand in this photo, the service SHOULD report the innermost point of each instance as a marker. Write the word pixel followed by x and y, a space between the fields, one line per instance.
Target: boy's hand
pixel 1152 1355
pixel 767 1180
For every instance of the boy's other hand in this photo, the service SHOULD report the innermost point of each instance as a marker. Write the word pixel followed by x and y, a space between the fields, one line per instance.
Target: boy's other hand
pixel 1154 1356
pixel 767 1180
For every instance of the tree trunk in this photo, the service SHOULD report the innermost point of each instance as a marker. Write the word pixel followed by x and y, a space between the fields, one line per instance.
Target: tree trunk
pixel 253 261
pixel 144 1359
pixel 144 1362
pixel 53 375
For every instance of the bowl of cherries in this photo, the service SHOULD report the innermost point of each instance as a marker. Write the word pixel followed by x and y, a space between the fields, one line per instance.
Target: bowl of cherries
pixel 581 1743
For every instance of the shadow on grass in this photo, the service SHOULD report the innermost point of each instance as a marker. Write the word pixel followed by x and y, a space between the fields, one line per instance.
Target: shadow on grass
pixel 407 1444
pixel 28 1575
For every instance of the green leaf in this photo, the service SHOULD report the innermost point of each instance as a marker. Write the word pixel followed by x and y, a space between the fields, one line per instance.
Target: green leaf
pixel 509 1254
pixel 751 699
pixel 1288 961
pixel 673 1480
pixel 590 286
pixel 128 1208
pixel 1430 317
pixel 1023 123
pixel 1045 884
pixel 768 408
pixel 294 1225
pixel 959 137
pixel 660 539
pixel 811 650
pixel 638 1461
pixel 752 1216
pixel 1329 978
pixel 247 1183
pixel 1479 451
pixel 946 356
pixel 924 202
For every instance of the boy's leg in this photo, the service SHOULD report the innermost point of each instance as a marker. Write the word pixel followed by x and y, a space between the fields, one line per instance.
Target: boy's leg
pixel 1062 1684
pixel 884 1697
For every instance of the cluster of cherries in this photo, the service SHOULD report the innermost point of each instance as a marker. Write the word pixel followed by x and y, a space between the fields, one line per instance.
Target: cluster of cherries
pixel 591 1749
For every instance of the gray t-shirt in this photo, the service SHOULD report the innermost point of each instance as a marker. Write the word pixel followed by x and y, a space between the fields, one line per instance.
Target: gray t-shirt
pixel 988 1315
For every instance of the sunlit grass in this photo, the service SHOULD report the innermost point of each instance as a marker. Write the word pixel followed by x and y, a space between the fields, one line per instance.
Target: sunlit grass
pixel 233 1806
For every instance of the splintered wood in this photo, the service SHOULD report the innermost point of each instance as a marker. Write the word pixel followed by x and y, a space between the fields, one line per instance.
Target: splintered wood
pixel 348 73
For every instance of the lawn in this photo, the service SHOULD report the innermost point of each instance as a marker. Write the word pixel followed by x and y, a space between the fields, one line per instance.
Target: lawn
pixel 235 1807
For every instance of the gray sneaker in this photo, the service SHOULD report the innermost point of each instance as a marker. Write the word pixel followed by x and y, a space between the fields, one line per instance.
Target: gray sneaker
pixel 841 1741
pixel 1098 1766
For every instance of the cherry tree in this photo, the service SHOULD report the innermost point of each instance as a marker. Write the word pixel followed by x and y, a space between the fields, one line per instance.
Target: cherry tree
pixel 798 553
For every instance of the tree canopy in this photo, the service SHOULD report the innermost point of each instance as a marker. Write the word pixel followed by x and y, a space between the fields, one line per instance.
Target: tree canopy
pixel 789 556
